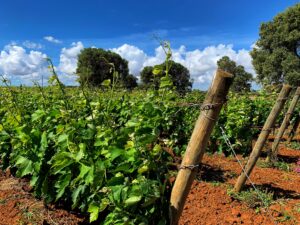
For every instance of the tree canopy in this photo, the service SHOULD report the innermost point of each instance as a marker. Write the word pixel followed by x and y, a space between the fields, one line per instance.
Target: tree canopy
pixel 96 65
pixel 242 79
pixel 275 56
pixel 179 74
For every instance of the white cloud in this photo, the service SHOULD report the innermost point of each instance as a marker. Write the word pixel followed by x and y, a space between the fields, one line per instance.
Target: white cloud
pixel 68 58
pixel 202 64
pixel 52 39
pixel 68 63
pixel 17 64
pixel 32 45
pixel 135 57
pixel 21 66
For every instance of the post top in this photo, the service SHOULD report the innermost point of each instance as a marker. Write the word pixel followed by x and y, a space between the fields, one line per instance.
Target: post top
pixel 224 73
pixel 287 85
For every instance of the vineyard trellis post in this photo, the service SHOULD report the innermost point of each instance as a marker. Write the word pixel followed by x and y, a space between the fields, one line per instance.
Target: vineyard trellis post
pixel 278 106
pixel 286 121
pixel 294 128
pixel 210 110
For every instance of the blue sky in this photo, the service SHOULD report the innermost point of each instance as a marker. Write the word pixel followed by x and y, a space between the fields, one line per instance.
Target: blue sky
pixel 223 27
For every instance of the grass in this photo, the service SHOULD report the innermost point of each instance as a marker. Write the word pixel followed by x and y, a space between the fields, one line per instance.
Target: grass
pixel 27 214
pixel 297 208
pixel 278 165
pixel 286 217
pixel 215 183
pixel 253 198
pixel 294 145
pixel 282 166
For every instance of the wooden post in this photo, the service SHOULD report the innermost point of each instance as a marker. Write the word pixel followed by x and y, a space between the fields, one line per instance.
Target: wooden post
pixel 281 99
pixel 286 121
pixel 294 129
pixel 211 108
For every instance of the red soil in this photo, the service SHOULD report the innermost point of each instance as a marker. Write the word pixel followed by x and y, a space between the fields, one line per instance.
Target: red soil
pixel 207 203
pixel 18 206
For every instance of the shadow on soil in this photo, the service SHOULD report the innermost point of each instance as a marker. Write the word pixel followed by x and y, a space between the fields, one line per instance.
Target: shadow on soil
pixel 278 193
pixel 282 158
pixel 288 159
pixel 211 174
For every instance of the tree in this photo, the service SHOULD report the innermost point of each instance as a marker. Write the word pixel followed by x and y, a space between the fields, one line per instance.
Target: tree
pixel 96 65
pixel 242 79
pixel 148 78
pixel 130 82
pixel 275 56
pixel 180 76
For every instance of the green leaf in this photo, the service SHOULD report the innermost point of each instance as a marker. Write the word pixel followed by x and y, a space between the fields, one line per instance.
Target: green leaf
pixel 106 83
pixel 44 143
pixel 24 165
pixel 63 182
pixel 132 200
pixel 82 147
pixel 60 161
pixel 115 181
pixel 94 212
pixel 79 155
pixel 87 134
pixel 62 138
pixel 115 152
pixel 33 180
pixel 76 195
pixel 132 123
pixel 115 195
pixel 157 149
pixel 86 173
pixel 90 176
pixel 124 167
pixel 165 82
pixel 37 115
pixel 157 70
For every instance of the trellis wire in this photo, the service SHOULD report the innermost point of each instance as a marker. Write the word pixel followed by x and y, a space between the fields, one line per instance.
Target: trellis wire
pixel 227 141
pixel 203 107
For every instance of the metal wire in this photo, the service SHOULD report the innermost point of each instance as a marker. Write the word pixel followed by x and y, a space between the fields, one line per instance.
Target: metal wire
pixel 203 107
pixel 206 116
pixel 190 167
pixel 227 141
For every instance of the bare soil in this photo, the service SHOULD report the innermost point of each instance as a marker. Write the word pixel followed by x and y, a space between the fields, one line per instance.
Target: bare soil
pixel 18 206
pixel 208 202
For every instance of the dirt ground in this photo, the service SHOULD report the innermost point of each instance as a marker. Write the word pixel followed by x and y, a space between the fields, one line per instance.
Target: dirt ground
pixel 18 206
pixel 208 202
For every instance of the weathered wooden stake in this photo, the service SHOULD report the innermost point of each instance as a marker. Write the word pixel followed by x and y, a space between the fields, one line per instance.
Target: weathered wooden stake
pixel 286 121
pixel 281 99
pixel 294 129
pixel 211 108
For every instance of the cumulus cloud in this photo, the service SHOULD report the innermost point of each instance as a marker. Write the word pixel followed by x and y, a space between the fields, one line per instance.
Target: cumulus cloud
pixel 52 39
pixel 68 63
pixel 20 64
pixel 24 66
pixel 135 57
pixel 68 58
pixel 202 64
pixel 32 45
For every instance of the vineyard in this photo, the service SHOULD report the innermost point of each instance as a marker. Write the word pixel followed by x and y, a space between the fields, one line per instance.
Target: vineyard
pixel 150 112
pixel 112 154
